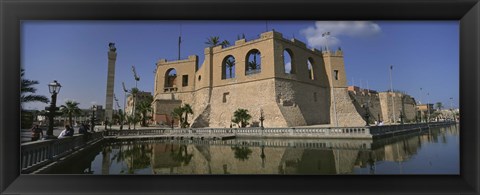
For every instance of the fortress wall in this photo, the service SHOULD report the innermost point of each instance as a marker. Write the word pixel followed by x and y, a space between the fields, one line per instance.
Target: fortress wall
pixel 302 104
pixel 182 67
pixel 252 96
pixel 347 113
pixel 386 104
pixel 300 55
pixel 373 102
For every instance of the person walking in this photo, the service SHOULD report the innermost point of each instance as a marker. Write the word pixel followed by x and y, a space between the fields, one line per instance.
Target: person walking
pixel 36 132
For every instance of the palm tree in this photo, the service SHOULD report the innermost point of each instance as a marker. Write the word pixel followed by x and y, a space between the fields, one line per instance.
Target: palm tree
pixel 230 63
pixel 177 114
pixel 121 117
pixel 252 65
pixel 27 87
pixel 215 41
pixel 439 106
pixel 144 107
pixel 187 109
pixel 70 109
pixel 241 117
pixel 134 93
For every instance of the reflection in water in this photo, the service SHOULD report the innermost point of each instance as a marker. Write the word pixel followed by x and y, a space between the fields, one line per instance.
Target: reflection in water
pixel 434 151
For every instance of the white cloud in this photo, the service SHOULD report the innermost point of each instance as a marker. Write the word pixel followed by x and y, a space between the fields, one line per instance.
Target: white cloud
pixel 337 29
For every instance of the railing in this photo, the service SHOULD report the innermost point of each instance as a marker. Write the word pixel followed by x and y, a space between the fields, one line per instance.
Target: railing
pixel 348 132
pixel 390 129
pixel 39 153
pixel 136 132
pixel 308 132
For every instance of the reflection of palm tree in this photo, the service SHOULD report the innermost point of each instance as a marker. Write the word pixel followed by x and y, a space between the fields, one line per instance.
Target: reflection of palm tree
pixel 241 153
pixel 182 155
pixel 137 157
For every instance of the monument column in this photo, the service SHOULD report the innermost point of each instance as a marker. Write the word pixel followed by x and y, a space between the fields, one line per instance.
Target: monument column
pixel 112 58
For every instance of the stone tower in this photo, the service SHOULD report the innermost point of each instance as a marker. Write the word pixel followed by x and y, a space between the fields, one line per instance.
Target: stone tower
pixel 112 57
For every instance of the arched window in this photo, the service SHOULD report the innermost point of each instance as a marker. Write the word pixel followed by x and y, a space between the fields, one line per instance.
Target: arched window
pixel 170 77
pixel 288 63
pixel 228 67
pixel 310 69
pixel 253 62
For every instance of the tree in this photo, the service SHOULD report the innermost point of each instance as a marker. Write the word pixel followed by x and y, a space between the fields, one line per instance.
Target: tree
pixel 215 41
pixel 439 106
pixel 70 109
pixel 144 107
pixel 121 117
pixel 27 91
pixel 252 65
pixel 187 109
pixel 177 114
pixel 230 63
pixel 241 117
pixel 134 91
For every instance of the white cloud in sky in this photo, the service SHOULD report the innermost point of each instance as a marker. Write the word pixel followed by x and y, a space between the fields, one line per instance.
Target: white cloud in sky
pixel 337 29
pixel 288 66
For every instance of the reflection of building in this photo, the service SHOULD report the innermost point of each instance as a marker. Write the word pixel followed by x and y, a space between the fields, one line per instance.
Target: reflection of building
pixel 279 157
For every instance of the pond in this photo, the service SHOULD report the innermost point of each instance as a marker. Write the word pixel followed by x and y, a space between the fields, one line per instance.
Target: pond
pixel 433 151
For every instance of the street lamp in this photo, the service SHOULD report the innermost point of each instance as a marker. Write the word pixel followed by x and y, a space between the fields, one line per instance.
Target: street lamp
pixel 94 108
pixel 262 118
pixel 54 89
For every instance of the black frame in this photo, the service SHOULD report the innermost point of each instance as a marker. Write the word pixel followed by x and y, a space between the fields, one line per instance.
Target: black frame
pixel 13 11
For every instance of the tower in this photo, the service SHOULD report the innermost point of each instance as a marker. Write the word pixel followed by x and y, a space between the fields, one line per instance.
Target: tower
pixel 112 57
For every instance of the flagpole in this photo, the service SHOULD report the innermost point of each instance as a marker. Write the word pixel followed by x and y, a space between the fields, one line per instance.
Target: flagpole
pixel 326 34
pixel 179 41
pixel 391 90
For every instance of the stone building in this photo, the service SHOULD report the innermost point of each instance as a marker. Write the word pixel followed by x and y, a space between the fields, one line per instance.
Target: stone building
pixel 141 95
pixel 293 85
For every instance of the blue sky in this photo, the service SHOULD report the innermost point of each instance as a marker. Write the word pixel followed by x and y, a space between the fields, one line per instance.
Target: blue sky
pixel 424 54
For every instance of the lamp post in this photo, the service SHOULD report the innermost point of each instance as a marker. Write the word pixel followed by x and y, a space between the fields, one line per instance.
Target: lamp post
pixel 54 89
pixel 391 90
pixel 262 118
pixel 451 109
pixel 94 108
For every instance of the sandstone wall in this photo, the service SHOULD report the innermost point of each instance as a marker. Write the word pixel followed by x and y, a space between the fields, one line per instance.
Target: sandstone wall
pixel 301 103
pixel 347 113
pixel 370 99
pixel 252 96
pixel 387 105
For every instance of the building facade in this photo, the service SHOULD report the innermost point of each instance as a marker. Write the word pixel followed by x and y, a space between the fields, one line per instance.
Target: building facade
pixel 291 84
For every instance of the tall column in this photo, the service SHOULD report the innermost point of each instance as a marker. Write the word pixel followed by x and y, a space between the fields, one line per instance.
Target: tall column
pixel 112 57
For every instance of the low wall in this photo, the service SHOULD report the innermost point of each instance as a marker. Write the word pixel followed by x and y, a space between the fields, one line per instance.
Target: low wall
pixel 40 153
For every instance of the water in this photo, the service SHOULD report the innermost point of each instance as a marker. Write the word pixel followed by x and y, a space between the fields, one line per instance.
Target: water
pixel 435 151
